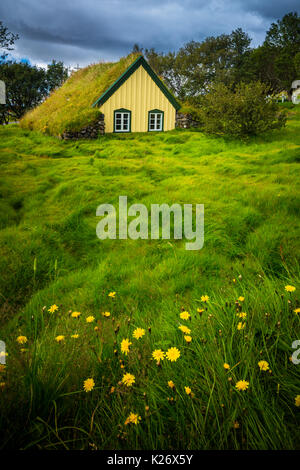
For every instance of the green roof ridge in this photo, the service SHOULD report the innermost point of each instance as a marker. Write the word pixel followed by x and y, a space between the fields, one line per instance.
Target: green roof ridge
pixel 116 81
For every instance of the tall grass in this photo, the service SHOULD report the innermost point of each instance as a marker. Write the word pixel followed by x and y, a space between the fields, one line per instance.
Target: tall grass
pixel 50 255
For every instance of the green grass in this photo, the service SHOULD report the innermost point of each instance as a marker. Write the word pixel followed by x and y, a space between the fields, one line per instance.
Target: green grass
pixel 49 253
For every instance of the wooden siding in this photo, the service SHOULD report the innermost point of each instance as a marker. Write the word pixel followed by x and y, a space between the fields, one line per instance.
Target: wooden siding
pixel 139 94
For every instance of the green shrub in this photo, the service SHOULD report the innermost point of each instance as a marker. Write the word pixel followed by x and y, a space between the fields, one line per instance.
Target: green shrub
pixel 188 108
pixel 243 112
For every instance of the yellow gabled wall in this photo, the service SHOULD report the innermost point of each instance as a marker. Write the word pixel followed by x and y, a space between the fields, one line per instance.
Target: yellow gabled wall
pixel 139 94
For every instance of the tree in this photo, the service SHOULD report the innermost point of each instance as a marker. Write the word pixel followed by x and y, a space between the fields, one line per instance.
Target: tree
pixel 7 40
pixel 285 33
pixel 56 74
pixel 167 67
pixel 26 86
pixel 200 63
pixel 136 48
pixel 276 58
pixel 190 71
pixel 297 64
pixel 240 113
pixel 240 47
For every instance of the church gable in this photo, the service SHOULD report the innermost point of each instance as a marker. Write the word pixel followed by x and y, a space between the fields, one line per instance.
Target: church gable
pixel 139 62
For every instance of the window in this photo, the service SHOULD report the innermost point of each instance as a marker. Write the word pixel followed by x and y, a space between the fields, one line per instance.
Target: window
pixel 122 120
pixel 156 120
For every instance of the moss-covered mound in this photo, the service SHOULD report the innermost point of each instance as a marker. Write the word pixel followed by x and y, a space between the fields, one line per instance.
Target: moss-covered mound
pixel 69 108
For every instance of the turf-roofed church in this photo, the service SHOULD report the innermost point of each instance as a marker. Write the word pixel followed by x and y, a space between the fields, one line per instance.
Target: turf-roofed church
pixel 138 101
pixel 121 97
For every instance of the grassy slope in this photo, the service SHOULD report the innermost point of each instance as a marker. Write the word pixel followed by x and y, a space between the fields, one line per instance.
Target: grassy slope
pixel 70 107
pixel 50 190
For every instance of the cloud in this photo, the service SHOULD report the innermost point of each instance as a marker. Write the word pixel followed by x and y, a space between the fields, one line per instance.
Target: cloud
pixel 272 10
pixel 85 31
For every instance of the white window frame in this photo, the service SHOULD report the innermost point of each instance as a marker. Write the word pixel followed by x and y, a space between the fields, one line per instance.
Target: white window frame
pixel 156 127
pixel 123 116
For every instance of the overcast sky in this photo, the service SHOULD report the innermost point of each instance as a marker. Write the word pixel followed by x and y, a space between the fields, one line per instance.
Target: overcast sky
pixel 86 31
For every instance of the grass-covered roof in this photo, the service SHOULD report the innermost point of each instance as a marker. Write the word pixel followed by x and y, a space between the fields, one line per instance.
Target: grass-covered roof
pixel 70 107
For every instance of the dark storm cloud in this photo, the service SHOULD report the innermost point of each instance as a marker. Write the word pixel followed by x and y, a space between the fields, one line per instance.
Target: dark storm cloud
pixel 270 9
pixel 86 31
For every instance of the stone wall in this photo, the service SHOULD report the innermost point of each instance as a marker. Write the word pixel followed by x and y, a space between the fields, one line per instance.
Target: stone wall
pixel 185 121
pixel 89 132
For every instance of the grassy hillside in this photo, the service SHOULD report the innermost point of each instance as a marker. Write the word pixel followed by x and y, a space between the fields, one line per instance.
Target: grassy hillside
pixel 49 254
pixel 69 108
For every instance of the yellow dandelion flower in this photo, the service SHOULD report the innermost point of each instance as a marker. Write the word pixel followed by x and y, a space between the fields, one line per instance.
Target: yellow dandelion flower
pixel 241 299
pixel 234 281
pixel 185 315
pixel 90 319
pixel 173 354
pixel 88 385
pixel 128 379
pixel 125 344
pixel 242 385
pixel 22 339
pixel 236 425
pixel 188 338
pixel 112 295
pixel 171 384
pixel 112 389
pixel 263 365
pixel 53 308
pixel 184 329
pixel 290 288
pixel 59 338
pixel 297 310
pixel 75 314
pixel 138 333
pixel 241 325
pixel 297 400
pixel 226 366
pixel 75 336
pixel 188 390
pixel 158 355
pixel 204 298
pixel 106 314
pixel 200 310
pixel 133 419
pixel 96 328
pixel 242 315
